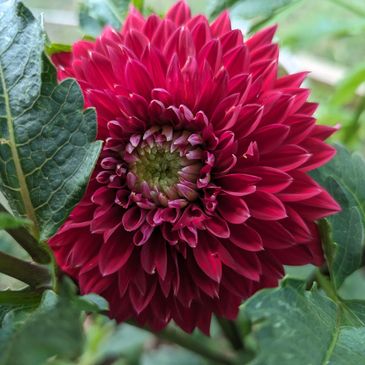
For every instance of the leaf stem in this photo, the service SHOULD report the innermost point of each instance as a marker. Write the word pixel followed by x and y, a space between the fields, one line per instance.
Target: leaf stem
pixel 200 348
pixel 37 252
pixel 350 7
pixel 23 297
pixel 34 275
pixel 23 187
pixel 354 125
pixel 327 286
pixel 231 332
pixel 207 349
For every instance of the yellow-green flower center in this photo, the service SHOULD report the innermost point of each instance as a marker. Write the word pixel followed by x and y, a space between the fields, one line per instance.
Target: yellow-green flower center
pixel 157 166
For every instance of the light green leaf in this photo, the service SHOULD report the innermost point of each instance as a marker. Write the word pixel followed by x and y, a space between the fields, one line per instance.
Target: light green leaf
pixel 139 4
pixel 47 151
pixel 94 15
pixel 125 341
pixel 343 234
pixel 52 48
pixel 292 326
pixel 8 221
pixel 249 9
pixel 54 329
pixel 91 303
pixel 166 355
pixel 346 89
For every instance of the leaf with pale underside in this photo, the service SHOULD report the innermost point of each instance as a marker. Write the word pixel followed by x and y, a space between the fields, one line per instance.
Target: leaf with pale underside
pixel 47 148
pixel 343 233
pixel 294 326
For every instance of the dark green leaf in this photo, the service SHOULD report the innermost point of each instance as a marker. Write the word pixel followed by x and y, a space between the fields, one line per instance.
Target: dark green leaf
pixel 54 329
pixel 17 300
pixel 343 234
pixel 94 15
pixel 47 151
pixel 249 9
pixel 292 326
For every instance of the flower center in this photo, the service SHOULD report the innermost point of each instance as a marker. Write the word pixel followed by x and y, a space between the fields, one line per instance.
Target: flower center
pixel 157 166
pixel 164 165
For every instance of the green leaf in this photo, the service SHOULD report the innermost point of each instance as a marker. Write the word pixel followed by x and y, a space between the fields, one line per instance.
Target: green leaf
pixel 166 355
pixel 47 151
pixel 91 303
pixel 249 9
pixel 292 326
pixel 94 15
pixel 18 300
pixel 343 234
pixel 8 221
pixel 346 89
pixel 105 341
pixel 54 329
pixel 125 341
pixel 139 4
pixel 52 48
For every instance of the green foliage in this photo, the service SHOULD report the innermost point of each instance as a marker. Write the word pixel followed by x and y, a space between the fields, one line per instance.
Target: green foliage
pixel 249 9
pixel 51 158
pixel 94 15
pixel 8 221
pixel 346 89
pixel 291 325
pixel 165 355
pixel 20 300
pixel 52 48
pixel 47 151
pixel 54 329
pixel 343 233
pixel 91 303
pixel 139 4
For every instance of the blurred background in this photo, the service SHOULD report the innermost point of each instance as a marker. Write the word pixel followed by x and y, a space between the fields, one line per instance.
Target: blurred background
pixel 326 37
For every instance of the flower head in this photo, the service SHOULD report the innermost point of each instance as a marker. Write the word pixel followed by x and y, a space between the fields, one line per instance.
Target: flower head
pixel 201 193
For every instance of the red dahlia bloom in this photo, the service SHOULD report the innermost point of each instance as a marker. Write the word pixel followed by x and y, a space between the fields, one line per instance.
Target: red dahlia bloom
pixel 201 193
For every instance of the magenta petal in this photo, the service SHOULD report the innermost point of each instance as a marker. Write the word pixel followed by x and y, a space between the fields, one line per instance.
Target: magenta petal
pixel 266 206
pixel 133 218
pixel 208 261
pixel 232 209
pixel 218 227
pixel 245 237
pixel 114 254
pixel 238 184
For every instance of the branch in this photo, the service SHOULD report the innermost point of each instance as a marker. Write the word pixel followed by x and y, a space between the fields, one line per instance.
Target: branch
pixel 37 252
pixel 208 351
pixel 232 333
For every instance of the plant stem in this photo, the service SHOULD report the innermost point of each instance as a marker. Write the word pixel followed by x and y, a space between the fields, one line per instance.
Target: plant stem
pixel 350 7
pixel 208 351
pixel 327 286
pixel 354 126
pixel 232 333
pixel 37 252
pixel 34 275
pixel 186 341
pixel 313 276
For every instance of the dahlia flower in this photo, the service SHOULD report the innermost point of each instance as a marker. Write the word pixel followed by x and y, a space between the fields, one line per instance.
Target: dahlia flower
pixel 201 193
